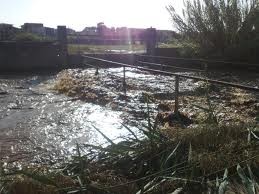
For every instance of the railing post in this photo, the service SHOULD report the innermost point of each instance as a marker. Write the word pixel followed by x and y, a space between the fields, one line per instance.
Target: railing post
pixel 135 60
pixel 151 41
pixel 124 81
pixel 97 71
pixel 176 93
pixel 162 67
pixel 205 67
pixel 62 40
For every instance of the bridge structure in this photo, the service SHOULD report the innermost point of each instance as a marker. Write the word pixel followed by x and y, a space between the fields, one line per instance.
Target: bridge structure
pixel 20 55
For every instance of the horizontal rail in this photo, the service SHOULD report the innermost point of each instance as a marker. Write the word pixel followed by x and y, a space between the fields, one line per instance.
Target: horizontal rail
pixel 175 74
pixel 170 66
pixel 199 60
pixel 87 64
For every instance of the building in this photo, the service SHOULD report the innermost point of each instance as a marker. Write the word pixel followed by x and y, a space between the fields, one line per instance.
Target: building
pixel 71 31
pixel 50 32
pixel 7 32
pixel 89 31
pixel 34 28
pixel 165 36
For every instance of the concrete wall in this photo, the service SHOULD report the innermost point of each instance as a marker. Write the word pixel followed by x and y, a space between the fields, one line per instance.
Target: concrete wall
pixel 213 64
pixel 169 52
pixel 122 58
pixel 37 56
pixel 26 56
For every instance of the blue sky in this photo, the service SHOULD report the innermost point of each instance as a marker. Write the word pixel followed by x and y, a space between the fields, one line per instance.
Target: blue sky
pixel 77 14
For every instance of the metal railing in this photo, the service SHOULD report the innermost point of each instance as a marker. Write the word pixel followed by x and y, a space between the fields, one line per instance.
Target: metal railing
pixel 177 78
pixel 204 61
pixel 170 66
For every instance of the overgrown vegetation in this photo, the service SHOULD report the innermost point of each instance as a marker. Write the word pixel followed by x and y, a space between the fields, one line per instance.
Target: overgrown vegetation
pixel 203 159
pixel 25 36
pixel 220 27
pixel 85 48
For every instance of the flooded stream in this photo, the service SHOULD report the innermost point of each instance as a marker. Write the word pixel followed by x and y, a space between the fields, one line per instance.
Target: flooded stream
pixel 37 123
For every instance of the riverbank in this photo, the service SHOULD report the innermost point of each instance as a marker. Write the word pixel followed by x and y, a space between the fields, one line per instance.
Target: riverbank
pixel 82 134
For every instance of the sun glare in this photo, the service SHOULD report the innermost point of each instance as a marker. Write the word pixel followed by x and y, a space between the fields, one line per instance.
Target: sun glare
pixel 78 14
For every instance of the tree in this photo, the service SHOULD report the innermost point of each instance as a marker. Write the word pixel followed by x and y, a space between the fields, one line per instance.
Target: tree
pixel 217 24
pixel 24 36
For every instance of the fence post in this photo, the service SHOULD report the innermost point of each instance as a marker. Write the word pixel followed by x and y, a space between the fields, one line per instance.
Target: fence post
pixel 162 67
pixel 97 71
pixel 135 60
pixel 151 41
pixel 62 40
pixel 206 67
pixel 176 108
pixel 124 81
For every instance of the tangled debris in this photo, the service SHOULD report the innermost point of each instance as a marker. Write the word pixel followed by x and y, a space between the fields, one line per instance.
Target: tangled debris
pixel 203 101
pixel 85 87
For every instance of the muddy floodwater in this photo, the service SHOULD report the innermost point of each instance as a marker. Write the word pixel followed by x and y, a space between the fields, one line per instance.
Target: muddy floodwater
pixel 39 124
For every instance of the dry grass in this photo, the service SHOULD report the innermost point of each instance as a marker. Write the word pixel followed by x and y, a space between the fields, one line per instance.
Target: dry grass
pixel 30 186
pixel 184 156
pixel 215 148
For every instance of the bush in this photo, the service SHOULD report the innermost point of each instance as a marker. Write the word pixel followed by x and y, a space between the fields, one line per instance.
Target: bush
pixel 28 37
pixel 217 25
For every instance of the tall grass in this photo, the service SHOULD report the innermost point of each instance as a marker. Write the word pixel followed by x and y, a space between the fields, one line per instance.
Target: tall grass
pixel 208 158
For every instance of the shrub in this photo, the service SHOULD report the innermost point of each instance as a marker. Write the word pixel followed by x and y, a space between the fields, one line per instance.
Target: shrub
pixel 216 25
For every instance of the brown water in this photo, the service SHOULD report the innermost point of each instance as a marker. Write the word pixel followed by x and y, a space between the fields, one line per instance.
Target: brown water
pixel 40 125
